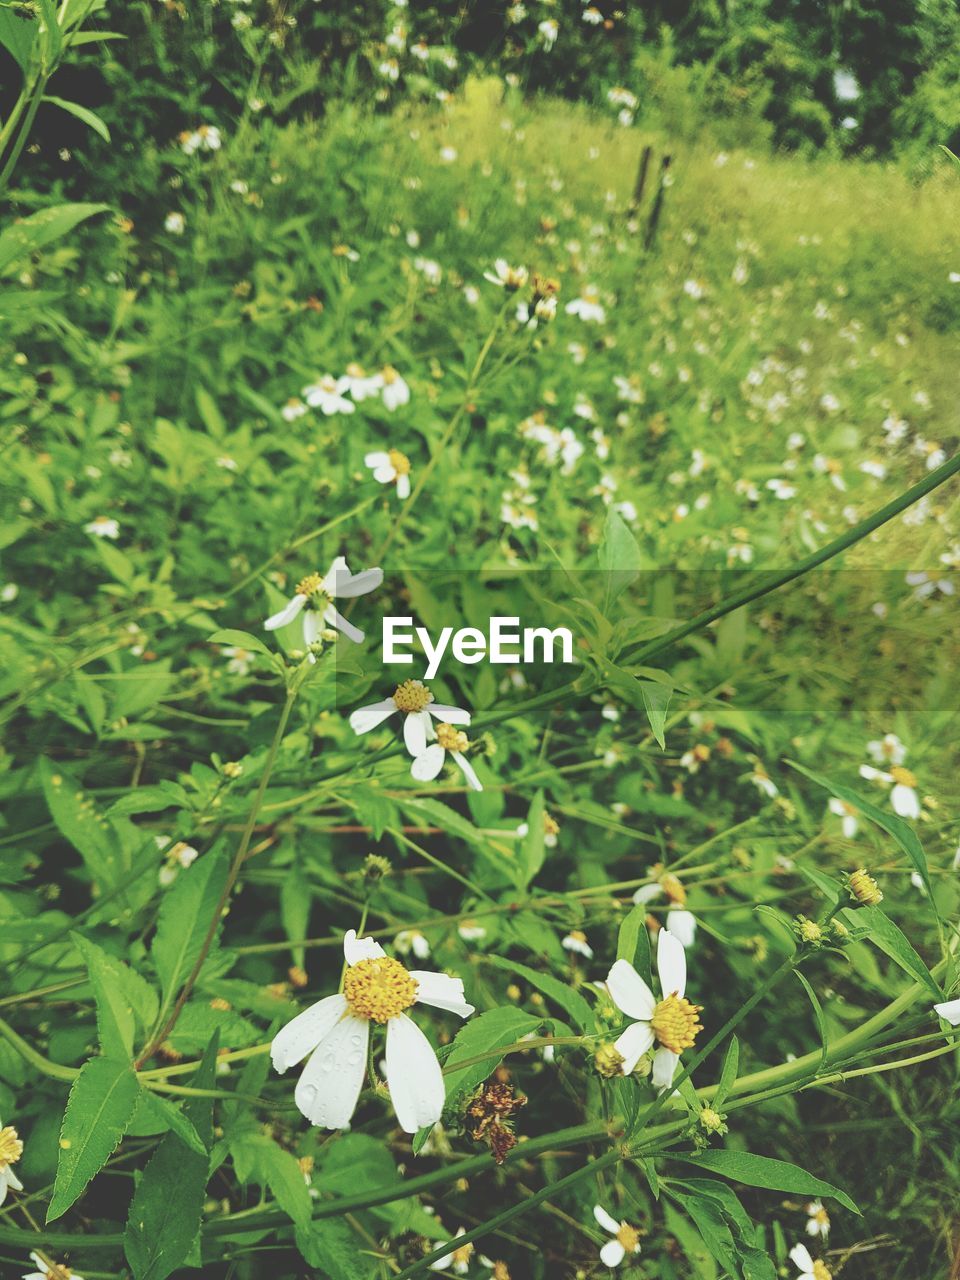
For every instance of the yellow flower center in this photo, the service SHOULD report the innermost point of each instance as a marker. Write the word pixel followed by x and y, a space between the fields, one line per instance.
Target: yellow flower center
pixel 355 370
pixel 629 1237
pixel 551 827
pixel 452 739
pixel 389 374
pixel 310 585
pixel 820 1271
pixel 11 1148
pixel 379 989
pixel 902 776
pixel 463 1254
pixel 608 1061
pixel 399 461
pixel 675 1023
pixel 577 935
pixel 673 888
pixel 412 695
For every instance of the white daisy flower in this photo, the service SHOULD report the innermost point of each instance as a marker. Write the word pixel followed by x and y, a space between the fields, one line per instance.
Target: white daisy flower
pixel 326 394
pixel 239 659
pixel 800 1256
pixel 408 940
pixel 360 384
pixel 394 393
pixel 887 750
pixel 950 1011
pixel 818 1220
pixel 507 277
pixel 925 586
pixel 103 527
pixel 549 30
pixel 293 409
pixel 335 1032
pixel 177 858
pixel 415 700
pixel 390 466
pixel 847 814
pixel 587 306
pixel 903 785
pixel 679 921
pixel 672 1021
pixel 50 1271
pixel 11 1149
pixel 626 1239
pixel 314 597
pixel 763 782
pixel 576 941
pixel 175 223
pixel 428 763
pixel 458 1259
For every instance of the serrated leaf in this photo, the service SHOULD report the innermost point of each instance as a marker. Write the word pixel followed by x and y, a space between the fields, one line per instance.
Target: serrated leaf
pixel 331 1247
pixel 264 1162
pixel 123 998
pixel 185 916
pixel 101 1105
pixel 79 820
pixel 167 1115
pixel 165 1212
pixel 619 556
pixel 762 1171
pixel 656 700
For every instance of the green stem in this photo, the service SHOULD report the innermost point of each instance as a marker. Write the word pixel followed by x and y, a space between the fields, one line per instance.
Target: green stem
pixel 774 581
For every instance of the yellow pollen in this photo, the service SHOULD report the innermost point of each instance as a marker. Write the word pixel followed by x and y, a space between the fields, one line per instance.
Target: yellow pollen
pixel 551 827
pixel 452 739
pixel 578 935
pixel 399 461
pixel 629 1237
pixel 673 888
pixel 389 374
pixel 412 695
pixel 864 888
pixel 902 776
pixel 675 1023
pixel 310 585
pixel 11 1148
pixel 355 370
pixel 379 989
pixel 463 1254
pixel 820 1271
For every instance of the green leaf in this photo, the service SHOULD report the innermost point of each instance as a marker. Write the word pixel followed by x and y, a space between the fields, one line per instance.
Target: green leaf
pixel 500 854
pixel 886 935
pixel 27 235
pixel 533 850
pixel 633 941
pixel 79 821
pixel 185 916
pixel 18 35
pixel 101 1105
pixel 818 1015
pixel 569 1000
pixel 762 1171
pixel 169 1117
pixel 331 1246
pixel 123 998
pixel 714 1232
pixel 728 1073
pixel 619 555
pixel 165 1212
pixel 240 640
pixel 656 700
pixel 88 117
pixel 261 1160
pixel 901 831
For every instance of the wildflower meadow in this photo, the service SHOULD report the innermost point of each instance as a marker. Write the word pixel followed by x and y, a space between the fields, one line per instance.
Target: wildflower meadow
pixel 479 635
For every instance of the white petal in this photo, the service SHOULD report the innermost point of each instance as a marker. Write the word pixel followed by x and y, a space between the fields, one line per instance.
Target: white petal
pixel 647 893
pixel 356 949
pixel 683 925
pixel 385 473
pixel 415 726
pixel 605 1220
pixel 428 763
pixel 630 993
pixel 671 964
pixel 378 459
pixel 330 1085
pixel 664 1068
pixel 358 584
pixel 874 775
pixel 293 1042
pixel 403 486
pixel 441 991
pixel 468 771
pixel 800 1254
pixel 633 1044
pixel 414 1077
pixel 905 801
pixel 448 715
pixel 286 615
pixel 346 628
pixel 366 718
pixel 311 627
pixel 612 1253
pixel 950 1011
